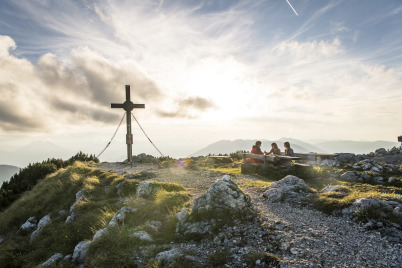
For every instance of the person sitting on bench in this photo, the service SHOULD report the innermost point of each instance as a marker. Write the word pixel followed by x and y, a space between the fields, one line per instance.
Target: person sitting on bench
pixel 274 149
pixel 288 150
pixel 256 150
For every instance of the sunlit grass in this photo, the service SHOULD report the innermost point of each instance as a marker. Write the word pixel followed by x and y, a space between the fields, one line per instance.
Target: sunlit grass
pixel 58 191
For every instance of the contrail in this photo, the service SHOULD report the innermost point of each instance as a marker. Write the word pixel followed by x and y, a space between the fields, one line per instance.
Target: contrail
pixel 292 8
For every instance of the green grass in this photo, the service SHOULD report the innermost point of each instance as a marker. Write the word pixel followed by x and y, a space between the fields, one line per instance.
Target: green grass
pixel 57 192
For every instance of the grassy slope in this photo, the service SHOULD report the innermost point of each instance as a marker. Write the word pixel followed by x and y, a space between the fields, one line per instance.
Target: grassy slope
pixel 57 192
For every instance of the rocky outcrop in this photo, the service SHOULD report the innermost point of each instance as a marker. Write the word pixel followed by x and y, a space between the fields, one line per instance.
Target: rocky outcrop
pixel 146 189
pixel 79 196
pixel 118 218
pixel 223 202
pixel 385 215
pixel 52 261
pixel 80 252
pixel 42 224
pixel 30 225
pixel 290 189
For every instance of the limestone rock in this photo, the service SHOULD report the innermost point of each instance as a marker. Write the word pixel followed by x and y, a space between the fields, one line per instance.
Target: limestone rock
pixel 100 233
pixel 29 225
pixel 118 218
pixel 346 157
pixel 223 196
pixel 79 196
pixel 52 260
pixel 168 258
pixel 349 176
pixel 80 252
pixel 143 236
pixel 380 152
pixel 42 223
pixel 145 189
pixel 223 201
pixel 290 189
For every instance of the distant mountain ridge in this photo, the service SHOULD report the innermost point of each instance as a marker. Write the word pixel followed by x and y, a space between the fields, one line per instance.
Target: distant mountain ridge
pixel 7 171
pixel 357 147
pixel 34 152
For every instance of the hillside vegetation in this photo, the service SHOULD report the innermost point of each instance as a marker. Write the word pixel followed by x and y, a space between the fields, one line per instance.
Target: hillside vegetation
pixel 27 177
pixel 80 214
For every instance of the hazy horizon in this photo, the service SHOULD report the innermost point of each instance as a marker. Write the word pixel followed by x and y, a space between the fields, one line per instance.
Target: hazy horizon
pixel 205 70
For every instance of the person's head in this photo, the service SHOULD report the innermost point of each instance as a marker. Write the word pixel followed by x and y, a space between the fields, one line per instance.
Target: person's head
pixel 286 144
pixel 274 145
pixel 258 143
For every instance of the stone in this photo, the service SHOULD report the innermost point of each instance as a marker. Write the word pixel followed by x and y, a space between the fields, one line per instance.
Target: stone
pixel 42 223
pixel 346 157
pixel 155 225
pixel 118 218
pixel 166 257
pixel 335 189
pixel 80 252
pixel 29 225
pixel 100 233
pixel 392 179
pixel 143 236
pixel 145 189
pixel 80 195
pixel 290 189
pixel 379 180
pixel 380 152
pixel 397 211
pixel 349 176
pixel 52 260
pixel 223 201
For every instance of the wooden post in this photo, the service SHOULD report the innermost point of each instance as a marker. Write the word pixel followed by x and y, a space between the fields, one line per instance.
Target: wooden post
pixel 128 106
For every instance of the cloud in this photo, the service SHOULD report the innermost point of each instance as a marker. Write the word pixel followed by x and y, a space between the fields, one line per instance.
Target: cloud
pixel 55 92
pixel 190 107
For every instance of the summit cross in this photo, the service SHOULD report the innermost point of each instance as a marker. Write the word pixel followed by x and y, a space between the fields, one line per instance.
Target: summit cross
pixel 128 106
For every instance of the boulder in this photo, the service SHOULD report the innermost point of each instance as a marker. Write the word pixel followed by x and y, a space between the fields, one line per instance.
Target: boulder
pixel 79 196
pixel 223 202
pixel 380 152
pixel 145 189
pixel 349 176
pixel 335 189
pixel 290 189
pixel 80 252
pixel 223 196
pixel 29 225
pixel 168 258
pixel 100 233
pixel 52 261
pixel 155 225
pixel 143 236
pixel 346 157
pixel 118 218
pixel 42 223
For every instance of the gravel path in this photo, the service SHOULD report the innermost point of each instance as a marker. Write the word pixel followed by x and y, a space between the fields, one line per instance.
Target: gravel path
pixel 305 237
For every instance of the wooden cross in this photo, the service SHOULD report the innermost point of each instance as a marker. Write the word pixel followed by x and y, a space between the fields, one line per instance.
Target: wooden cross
pixel 128 106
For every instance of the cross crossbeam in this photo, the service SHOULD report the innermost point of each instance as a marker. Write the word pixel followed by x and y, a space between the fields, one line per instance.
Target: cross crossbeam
pixel 128 106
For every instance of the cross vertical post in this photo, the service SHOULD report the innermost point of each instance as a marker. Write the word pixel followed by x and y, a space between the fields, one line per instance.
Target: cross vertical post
pixel 128 106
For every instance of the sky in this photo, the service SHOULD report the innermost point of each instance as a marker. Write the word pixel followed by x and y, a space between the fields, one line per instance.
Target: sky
pixel 206 71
